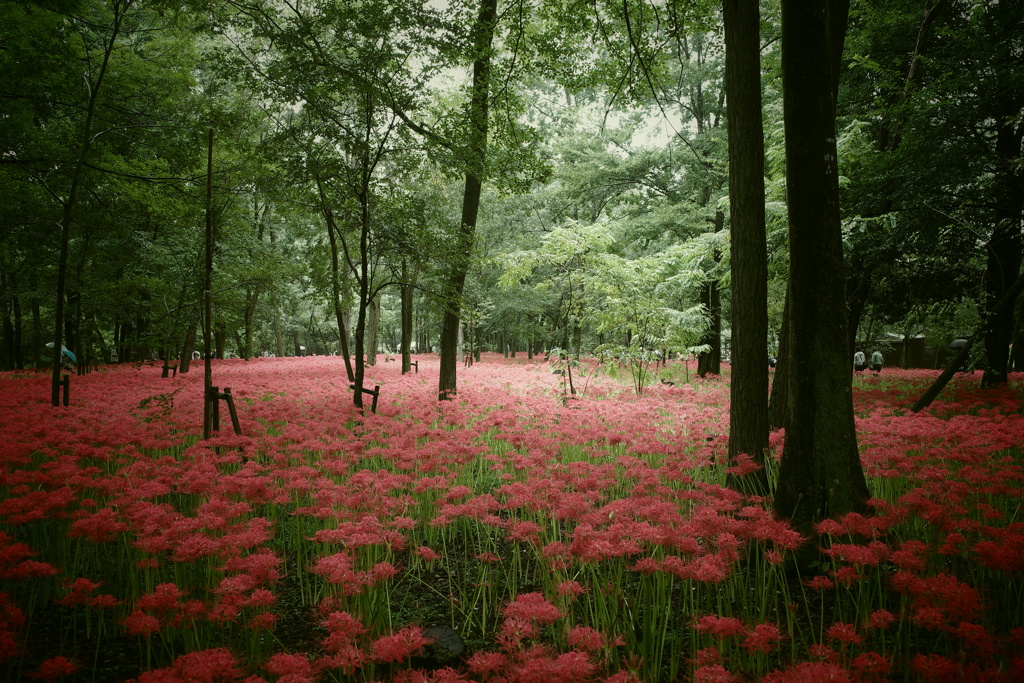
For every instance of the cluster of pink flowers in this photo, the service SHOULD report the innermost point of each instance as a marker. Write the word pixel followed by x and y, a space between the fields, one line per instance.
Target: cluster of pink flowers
pixel 553 530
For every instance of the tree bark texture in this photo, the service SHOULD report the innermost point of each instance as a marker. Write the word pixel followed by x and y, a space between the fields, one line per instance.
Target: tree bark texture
pixel 748 411
pixel 820 475
pixel 476 151
pixel 1004 247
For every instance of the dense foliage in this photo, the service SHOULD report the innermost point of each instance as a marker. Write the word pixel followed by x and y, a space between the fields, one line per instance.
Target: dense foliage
pixel 342 137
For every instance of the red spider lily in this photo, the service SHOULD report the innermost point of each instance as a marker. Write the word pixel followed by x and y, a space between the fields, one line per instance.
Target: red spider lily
pixel 586 639
pixel 139 623
pixel 846 576
pixel 99 527
pixel 486 663
pixel 11 621
pixel 820 583
pixel 571 588
pixel 933 667
pixel 534 607
pixel 881 619
pixel 514 631
pixel 713 673
pixel 264 621
pixel 809 672
pixel 337 569
pixel 291 668
pixel 822 652
pixel 744 465
pixel 79 592
pixel 844 633
pixel 708 655
pixel 763 638
pixel 54 668
pixel 720 627
pixel 164 598
pixel 569 667
pixel 425 553
pixel 977 638
pixel 399 646
pixel 217 665
pixel 868 667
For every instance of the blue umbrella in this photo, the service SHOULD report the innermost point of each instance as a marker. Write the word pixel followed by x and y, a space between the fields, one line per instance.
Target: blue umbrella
pixel 64 350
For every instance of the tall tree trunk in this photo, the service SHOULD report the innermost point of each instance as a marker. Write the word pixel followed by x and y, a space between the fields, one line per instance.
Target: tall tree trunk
pixel 483 37
pixel 748 402
pixel 252 297
pixel 68 204
pixel 711 298
pixel 372 328
pixel 220 340
pixel 37 333
pixel 336 288
pixel 407 330
pixel 778 403
pixel 820 475
pixel 278 334
pixel 208 296
pixel 188 346
pixel 1004 246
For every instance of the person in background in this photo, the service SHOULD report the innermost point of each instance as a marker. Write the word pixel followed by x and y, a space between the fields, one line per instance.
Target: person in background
pixel 876 361
pixel 859 361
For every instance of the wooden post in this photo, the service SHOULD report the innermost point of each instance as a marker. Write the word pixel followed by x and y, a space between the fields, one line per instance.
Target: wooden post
pixel 231 409
pixel 375 392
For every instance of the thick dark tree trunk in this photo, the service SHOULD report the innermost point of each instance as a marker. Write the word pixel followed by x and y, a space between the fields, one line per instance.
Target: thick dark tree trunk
pixel 483 36
pixel 1004 247
pixel 220 340
pixel 748 403
pixel 820 475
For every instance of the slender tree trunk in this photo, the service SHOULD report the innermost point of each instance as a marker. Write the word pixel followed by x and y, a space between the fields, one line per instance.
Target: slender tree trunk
pixel 208 296
pixel 407 331
pixel 188 346
pixel 37 333
pixel 372 328
pixel 820 475
pixel 483 36
pixel 278 335
pixel 68 205
pixel 336 290
pixel 250 312
pixel 778 403
pixel 748 411
pixel 710 362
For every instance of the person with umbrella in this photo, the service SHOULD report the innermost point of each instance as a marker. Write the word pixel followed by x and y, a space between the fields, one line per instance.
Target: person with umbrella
pixel 68 359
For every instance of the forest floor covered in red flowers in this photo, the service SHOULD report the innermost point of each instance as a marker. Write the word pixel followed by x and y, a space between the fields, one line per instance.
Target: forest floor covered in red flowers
pixel 509 535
